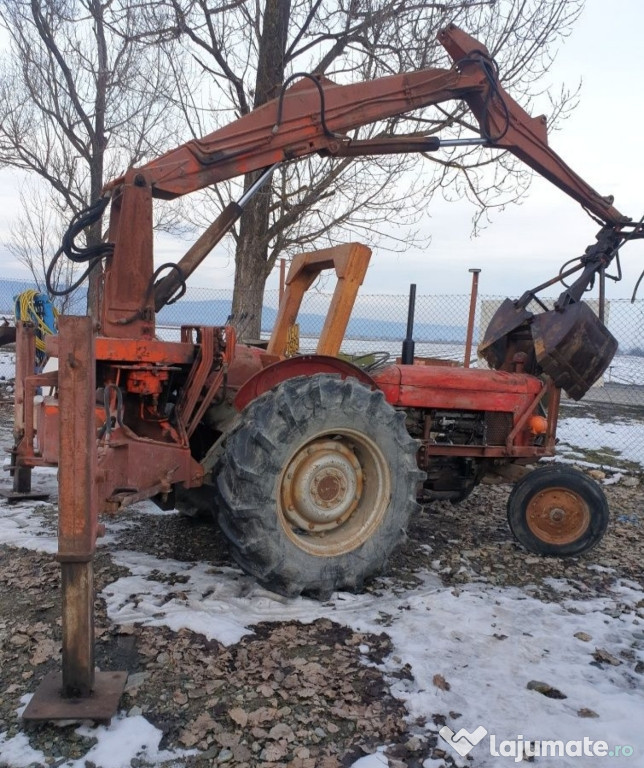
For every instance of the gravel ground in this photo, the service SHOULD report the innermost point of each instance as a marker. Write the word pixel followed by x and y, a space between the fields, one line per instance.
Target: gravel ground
pixel 291 694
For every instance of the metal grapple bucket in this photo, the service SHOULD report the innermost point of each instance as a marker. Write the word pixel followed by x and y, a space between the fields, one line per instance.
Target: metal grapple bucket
pixel 572 345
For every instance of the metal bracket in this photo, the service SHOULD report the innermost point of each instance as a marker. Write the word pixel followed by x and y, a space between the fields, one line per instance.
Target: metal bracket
pixel 49 703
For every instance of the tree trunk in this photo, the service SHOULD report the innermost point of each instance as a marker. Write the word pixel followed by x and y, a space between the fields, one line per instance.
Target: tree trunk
pixel 251 254
pixel 250 277
pixel 99 143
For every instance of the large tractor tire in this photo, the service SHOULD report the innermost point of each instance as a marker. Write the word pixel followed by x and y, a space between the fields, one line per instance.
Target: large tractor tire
pixel 316 485
pixel 557 511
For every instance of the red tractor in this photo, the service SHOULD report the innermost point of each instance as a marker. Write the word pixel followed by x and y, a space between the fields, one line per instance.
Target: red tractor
pixel 312 464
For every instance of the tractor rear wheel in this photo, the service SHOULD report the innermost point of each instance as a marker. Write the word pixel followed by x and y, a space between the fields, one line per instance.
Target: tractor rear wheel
pixel 316 485
pixel 557 510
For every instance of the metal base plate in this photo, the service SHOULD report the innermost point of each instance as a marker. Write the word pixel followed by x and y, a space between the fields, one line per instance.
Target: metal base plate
pixel 48 702
pixel 16 496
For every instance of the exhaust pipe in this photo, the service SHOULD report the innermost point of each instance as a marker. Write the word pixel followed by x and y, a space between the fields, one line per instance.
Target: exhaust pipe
pixel 407 356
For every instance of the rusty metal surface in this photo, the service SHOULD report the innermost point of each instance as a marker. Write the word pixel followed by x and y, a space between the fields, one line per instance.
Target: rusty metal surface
pixel 283 129
pixel 334 492
pixel 470 320
pixel 140 453
pixel 434 386
pixel 496 347
pixel 557 515
pixel 489 451
pixel 127 309
pixel 77 395
pixel 25 357
pixel 133 469
pixel 305 365
pixel 250 143
pixel 282 279
pixel 573 347
pixel 77 594
pixel 14 497
pixel 350 261
pixel 48 702
pixel 144 351
pixel 209 355
pixel 77 501
pixel 322 486
pixel 528 411
pixel 525 136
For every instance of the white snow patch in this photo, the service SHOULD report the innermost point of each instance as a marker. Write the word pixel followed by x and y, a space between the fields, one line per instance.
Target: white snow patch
pixel 21 525
pixel 429 763
pixel 621 435
pixel 117 745
pixel 487 642
pixel 122 741
pixel 613 479
pixel 375 760
pixel 7 366
pixel 18 753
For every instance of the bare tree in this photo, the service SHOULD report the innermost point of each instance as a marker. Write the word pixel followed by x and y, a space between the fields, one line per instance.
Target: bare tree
pixel 247 50
pixel 78 101
pixel 35 236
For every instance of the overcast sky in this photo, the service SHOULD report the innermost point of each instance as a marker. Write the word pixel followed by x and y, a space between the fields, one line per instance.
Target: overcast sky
pixel 602 141
pixel 525 244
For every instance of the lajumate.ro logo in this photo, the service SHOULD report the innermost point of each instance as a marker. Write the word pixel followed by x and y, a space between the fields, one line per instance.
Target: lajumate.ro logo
pixel 519 748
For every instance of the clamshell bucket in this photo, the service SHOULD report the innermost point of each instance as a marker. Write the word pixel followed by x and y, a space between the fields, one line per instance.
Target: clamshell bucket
pixel 507 319
pixel 573 347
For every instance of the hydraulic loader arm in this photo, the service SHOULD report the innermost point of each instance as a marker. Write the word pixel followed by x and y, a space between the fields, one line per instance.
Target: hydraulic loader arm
pixel 315 114
pixel 312 116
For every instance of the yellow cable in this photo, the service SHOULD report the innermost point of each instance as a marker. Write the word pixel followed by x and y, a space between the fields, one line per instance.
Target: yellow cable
pixel 27 306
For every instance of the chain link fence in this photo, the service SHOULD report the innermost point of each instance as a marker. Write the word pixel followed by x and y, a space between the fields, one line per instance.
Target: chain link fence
pixel 606 427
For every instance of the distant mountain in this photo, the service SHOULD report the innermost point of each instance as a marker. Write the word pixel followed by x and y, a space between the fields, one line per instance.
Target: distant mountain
pixel 216 312
pixel 624 318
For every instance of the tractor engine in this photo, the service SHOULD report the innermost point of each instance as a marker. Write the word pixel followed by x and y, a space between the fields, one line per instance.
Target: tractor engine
pixel 453 477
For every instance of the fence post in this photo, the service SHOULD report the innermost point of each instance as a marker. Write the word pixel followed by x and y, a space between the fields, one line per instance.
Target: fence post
pixel 470 321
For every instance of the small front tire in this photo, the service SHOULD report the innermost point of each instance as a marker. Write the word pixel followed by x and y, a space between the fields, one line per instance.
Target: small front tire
pixel 557 511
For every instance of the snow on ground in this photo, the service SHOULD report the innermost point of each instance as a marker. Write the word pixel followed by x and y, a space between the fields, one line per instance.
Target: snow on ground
pixel 125 739
pixel 7 365
pixel 21 524
pixel 485 644
pixel 624 436
pixel 488 643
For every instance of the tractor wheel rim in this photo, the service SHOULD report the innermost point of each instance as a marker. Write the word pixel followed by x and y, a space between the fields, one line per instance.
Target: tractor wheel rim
pixel 557 516
pixel 333 492
pixel 322 485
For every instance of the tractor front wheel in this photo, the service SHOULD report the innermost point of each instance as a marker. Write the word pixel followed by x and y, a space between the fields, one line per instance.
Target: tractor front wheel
pixel 557 510
pixel 316 485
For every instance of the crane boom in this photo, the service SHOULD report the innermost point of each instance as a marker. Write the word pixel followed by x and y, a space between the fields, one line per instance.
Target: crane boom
pixel 314 116
pixel 311 117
